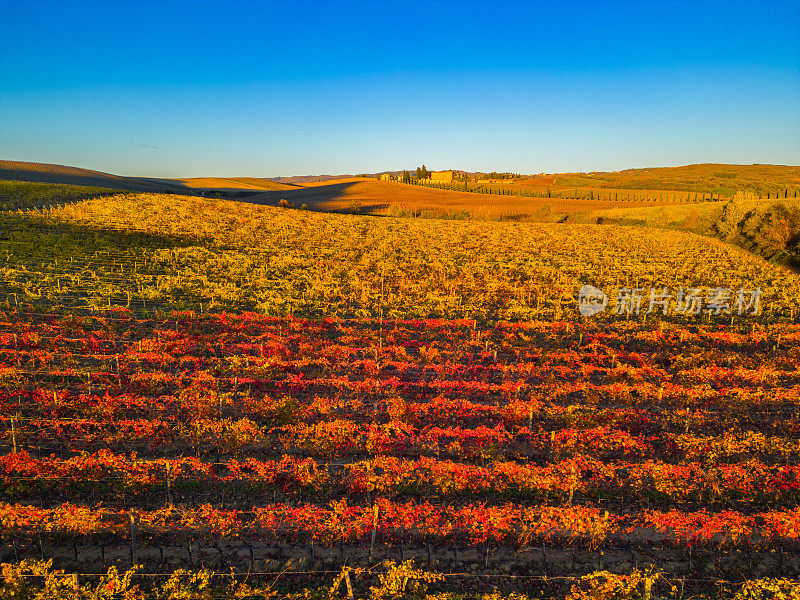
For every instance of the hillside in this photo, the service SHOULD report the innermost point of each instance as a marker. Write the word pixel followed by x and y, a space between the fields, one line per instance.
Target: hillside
pixel 235 183
pixel 15 195
pixel 770 228
pixel 370 196
pixel 717 178
pixel 48 173
pixel 534 198
pixel 303 179
pixel 176 252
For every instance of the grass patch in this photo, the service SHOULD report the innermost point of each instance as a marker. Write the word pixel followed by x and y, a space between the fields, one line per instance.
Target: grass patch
pixel 15 195
pixel 716 178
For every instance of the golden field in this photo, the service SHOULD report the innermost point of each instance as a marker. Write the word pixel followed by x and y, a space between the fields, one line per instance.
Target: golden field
pixel 166 251
pixel 387 198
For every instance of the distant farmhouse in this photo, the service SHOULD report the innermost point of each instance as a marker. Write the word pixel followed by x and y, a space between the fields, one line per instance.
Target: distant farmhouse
pixel 442 176
pixel 446 177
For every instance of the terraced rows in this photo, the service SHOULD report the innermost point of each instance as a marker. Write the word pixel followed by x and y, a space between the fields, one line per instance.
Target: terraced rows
pixel 250 436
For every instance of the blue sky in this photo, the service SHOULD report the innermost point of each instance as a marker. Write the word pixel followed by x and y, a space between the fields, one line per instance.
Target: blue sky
pixel 196 88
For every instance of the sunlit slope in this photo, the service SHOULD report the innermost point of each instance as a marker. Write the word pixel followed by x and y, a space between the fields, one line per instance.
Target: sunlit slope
pixel 517 200
pixel 371 196
pixel 770 228
pixel 718 178
pixel 160 251
pixel 24 194
pixel 662 185
pixel 698 217
pixel 235 183
pixel 571 186
pixel 47 173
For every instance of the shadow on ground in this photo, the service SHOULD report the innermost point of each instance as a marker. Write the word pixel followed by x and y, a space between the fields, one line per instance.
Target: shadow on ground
pixel 334 197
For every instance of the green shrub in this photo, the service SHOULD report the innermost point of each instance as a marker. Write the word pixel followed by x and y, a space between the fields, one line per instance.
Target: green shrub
pixel 771 229
pixel 734 213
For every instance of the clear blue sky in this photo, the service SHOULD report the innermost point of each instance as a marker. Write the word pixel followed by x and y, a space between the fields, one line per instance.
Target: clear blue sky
pixel 265 89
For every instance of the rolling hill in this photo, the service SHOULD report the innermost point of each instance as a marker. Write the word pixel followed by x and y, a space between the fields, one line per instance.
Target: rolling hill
pixel 556 197
pixel 370 196
pixel 709 177
pixel 48 173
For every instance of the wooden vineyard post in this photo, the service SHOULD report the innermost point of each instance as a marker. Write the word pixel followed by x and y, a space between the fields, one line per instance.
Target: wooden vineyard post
pixel 134 517
pixel 572 485
pixel 13 436
pixel 170 499
pixel 648 586
pixel 193 546
pixel 544 559
pixel 369 486
pixel 347 582
pixel 375 510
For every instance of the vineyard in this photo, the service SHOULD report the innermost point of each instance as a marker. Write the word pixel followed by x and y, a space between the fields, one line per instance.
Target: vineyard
pixel 239 401
pixel 15 195
pixel 148 252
